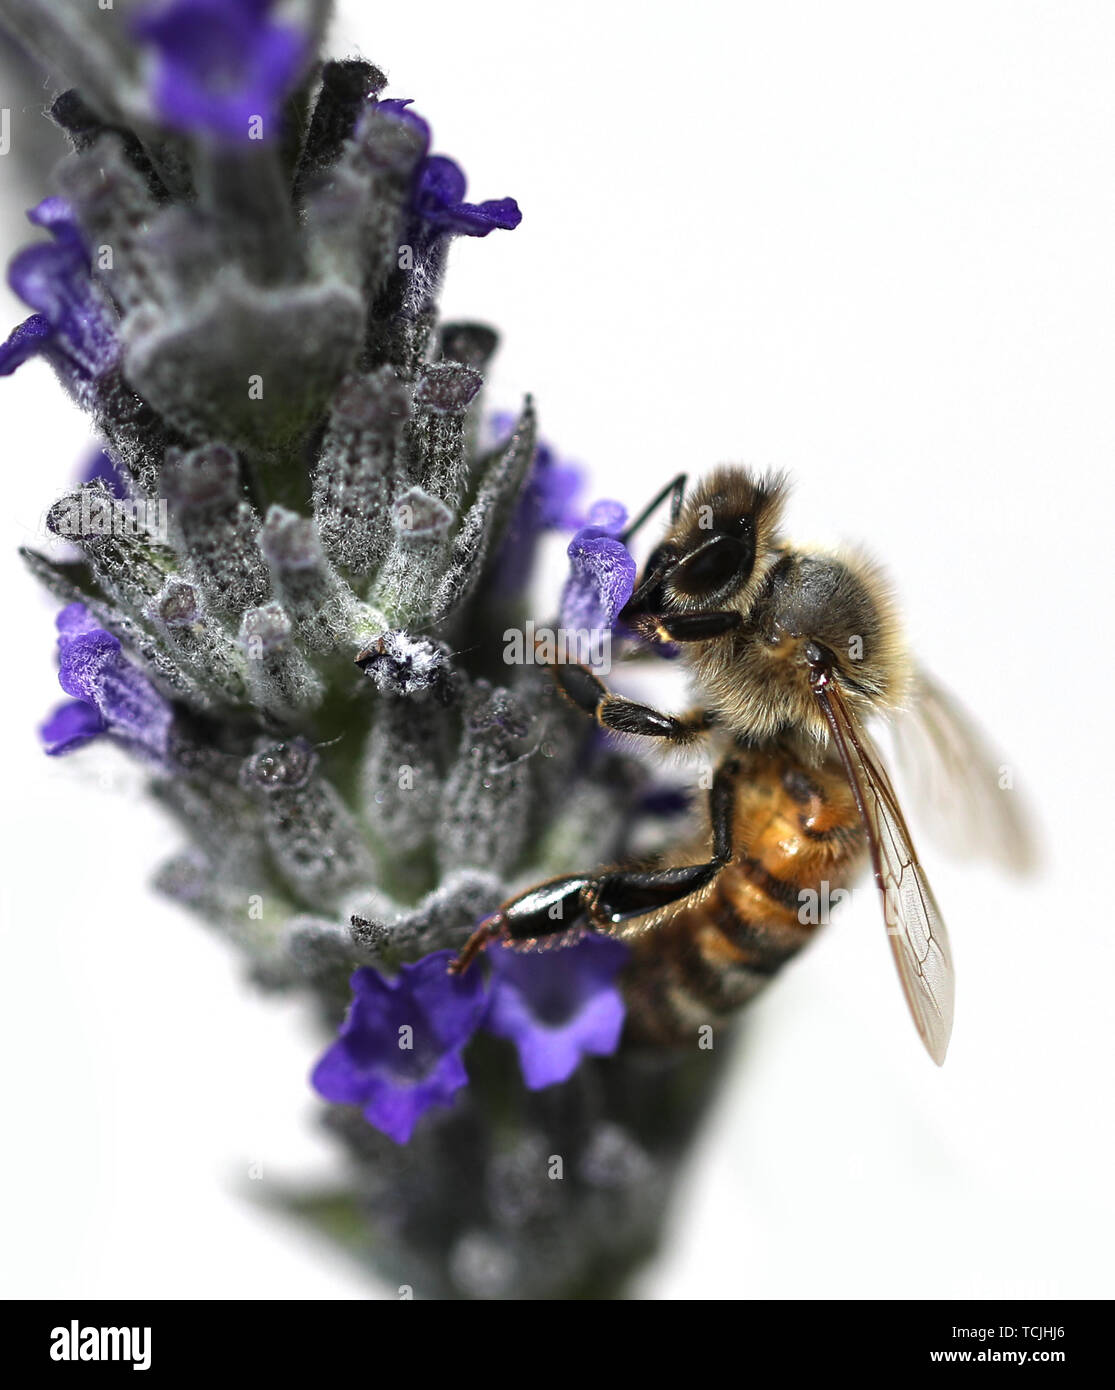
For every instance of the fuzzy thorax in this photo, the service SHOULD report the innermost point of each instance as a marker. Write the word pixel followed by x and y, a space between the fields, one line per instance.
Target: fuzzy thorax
pixel 756 680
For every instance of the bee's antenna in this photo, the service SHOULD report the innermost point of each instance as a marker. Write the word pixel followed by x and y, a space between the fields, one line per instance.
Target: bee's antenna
pixel 675 486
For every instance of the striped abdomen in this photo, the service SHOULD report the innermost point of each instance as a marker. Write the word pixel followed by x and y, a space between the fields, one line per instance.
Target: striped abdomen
pixel 797 840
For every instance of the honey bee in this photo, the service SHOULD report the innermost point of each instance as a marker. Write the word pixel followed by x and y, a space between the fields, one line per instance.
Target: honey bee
pixel 792 652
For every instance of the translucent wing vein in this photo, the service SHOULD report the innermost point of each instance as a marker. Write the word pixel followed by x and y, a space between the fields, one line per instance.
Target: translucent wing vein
pixel 915 927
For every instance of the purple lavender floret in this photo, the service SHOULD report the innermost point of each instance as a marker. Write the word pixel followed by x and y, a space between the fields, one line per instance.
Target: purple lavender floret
pixel 439 190
pixel 219 64
pixel 558 1006
pixel 398 1053
pixel 440 202
pixel 73 326
pixel 71 725
pixel 110 694
pixel 28 339
pixel 399 108
pixel 602 571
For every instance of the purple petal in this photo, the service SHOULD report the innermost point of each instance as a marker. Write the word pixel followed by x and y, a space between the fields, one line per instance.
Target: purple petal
pixel 454 1004
pixel 373 1043
pixel 84 656
pixel 447 214
pixel 548 1056
pixel 100 468
pixel 601 580
pixel 26 340
pixel 73 325
pixel 547 502
pixel 370 1032
pixel 502 213
pixel 396 1110
pixel 398 1051
pixel 497 428
pixel 337 1079
pixel 75 619
pixel 556 490
pixel 71 725
pixel 558 981
pixel 607 516
pixel 56 216
pixel 438 199
pixel 557 1006
pixel 442 183
pixel 219 63
pixel 399 110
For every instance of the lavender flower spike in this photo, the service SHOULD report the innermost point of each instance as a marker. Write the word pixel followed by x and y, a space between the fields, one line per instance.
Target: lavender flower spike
pixel 286 594
pixel 399 1049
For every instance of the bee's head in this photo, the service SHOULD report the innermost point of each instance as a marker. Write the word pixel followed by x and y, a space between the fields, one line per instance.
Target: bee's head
pixel 718 553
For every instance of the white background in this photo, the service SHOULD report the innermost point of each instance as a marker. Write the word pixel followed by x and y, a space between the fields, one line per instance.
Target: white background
pixel 869 243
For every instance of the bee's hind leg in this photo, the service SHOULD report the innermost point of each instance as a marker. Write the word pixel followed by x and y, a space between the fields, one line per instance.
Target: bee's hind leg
pixel 625 893
pixel 547 909
pixel 597 901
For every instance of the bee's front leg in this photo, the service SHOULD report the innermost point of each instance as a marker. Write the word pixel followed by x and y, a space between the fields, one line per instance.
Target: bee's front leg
pixel 624 716
pixel 687 627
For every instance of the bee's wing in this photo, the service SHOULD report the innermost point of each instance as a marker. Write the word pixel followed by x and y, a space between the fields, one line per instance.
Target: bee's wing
pixel 957 782
pixel 914 923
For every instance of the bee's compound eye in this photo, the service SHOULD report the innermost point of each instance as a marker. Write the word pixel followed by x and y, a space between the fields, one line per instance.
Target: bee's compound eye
pixel 723 562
